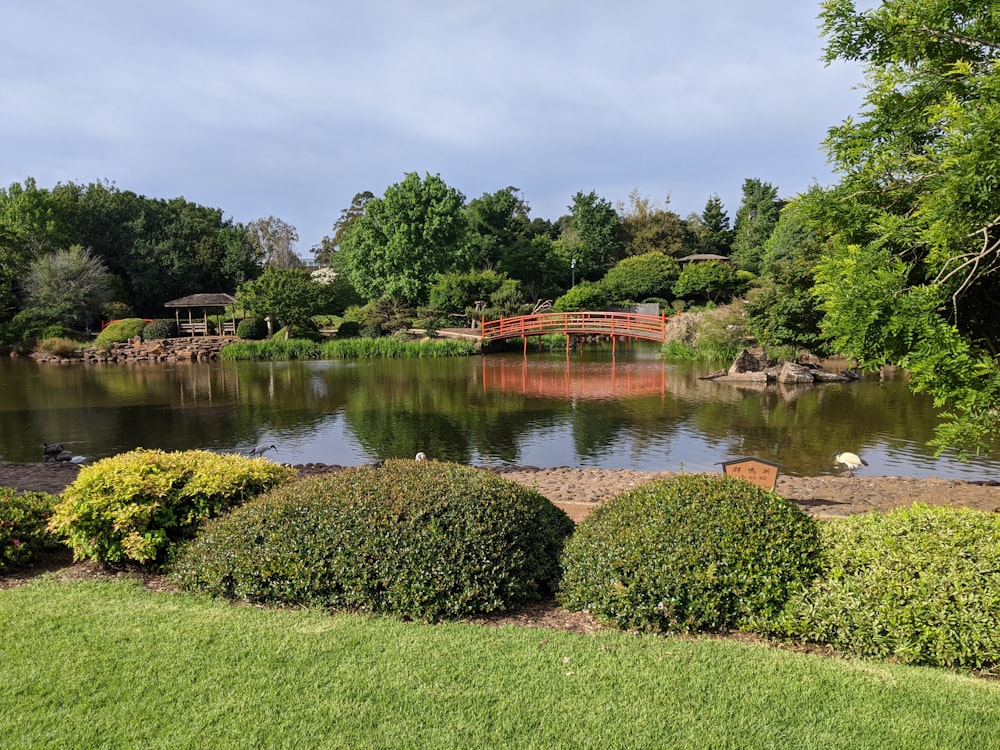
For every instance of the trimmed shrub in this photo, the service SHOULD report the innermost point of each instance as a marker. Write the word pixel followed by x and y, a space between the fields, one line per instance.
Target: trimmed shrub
pixel 252 329
pixel 426 540
pixel 161 328
pixel 121 331
pixel 23 533
pixel 349 329
pixel 920 585
pixel 689 553
pixel 136 505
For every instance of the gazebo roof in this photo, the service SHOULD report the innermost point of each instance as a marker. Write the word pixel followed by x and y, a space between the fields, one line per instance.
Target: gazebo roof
pixel 219 299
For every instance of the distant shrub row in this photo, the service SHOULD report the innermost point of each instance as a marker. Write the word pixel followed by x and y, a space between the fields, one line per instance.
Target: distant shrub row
pixel 434 540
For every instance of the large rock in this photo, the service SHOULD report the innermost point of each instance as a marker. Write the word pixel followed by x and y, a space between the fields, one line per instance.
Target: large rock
pixel 794 373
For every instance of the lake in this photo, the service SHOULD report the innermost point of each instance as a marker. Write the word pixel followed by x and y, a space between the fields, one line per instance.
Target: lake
pixel 585 409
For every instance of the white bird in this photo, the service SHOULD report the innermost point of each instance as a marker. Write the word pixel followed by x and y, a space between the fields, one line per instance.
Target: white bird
pixel 260 449
pixel 421 456
pixel 849 461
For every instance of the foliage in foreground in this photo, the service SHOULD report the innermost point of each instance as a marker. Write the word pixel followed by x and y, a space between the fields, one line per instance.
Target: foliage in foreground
pixel 426 540
pixel 920 585
pixel 23 520
pixel 196 673
pixel 137 505
pixel 689 553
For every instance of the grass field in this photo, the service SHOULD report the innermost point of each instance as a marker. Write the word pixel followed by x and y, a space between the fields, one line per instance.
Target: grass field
pixel 94 664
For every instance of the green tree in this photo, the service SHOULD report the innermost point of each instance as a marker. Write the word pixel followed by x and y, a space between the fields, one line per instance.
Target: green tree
pixel 287 295
pixel 910 276
pixel 591 236
pixel 585 296
pixel 327 249
pixel 498 224
pixel 712 281
pixel 641 276
pixel 67 287
pixel 755 220
pixel 647 227
pixel 453 293
pixel 715 234
pixel 405 239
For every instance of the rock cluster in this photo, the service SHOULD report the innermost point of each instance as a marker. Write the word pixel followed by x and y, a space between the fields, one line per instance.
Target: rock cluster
pixel 747 368
pixel 192 348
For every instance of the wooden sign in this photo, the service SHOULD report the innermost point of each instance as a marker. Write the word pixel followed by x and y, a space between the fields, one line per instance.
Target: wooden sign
pixel 754 470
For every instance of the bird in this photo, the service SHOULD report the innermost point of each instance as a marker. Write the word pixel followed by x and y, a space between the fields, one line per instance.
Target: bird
pixel 260 449
pixel 67 457
pixel 51 450
pixel 849 461
pixel 421 456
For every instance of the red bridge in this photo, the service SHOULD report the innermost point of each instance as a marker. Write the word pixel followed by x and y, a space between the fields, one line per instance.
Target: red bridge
pixel 613 324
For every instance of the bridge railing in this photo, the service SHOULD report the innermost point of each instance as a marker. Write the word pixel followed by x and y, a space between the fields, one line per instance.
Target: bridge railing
pixel 632 325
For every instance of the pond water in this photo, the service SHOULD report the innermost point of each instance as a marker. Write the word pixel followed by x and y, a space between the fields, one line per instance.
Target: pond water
pixel 584 409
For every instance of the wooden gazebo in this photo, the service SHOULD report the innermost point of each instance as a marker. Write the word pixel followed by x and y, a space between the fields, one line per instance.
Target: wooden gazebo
pixel 205 302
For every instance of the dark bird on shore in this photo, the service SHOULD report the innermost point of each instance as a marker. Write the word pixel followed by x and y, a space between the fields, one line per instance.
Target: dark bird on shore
pixel 849 461
pixel 67 457
pixel 51 450
pixel 261 449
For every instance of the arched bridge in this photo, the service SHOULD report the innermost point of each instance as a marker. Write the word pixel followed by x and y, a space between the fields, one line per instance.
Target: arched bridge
pixel 613 324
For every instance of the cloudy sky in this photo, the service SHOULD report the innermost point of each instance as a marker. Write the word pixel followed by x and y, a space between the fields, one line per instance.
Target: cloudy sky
pixel 289 109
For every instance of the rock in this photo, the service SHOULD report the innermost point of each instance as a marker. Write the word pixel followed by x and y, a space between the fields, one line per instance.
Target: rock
pixel 793 373
pixel 744 363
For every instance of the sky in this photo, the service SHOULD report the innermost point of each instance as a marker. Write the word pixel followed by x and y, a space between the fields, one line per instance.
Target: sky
pixel 290 109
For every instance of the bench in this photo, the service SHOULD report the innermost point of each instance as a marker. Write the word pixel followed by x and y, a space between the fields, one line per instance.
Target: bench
pixel 193 329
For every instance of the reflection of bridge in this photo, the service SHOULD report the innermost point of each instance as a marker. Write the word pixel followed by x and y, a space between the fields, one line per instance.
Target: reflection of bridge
pixel 576 381
pixel 614 324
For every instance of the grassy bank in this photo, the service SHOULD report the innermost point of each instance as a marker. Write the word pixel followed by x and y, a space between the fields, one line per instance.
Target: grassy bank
pixel 357 348
pixel 101 664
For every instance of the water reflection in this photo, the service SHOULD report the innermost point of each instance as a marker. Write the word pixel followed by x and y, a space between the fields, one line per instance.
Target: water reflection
pixel 546 410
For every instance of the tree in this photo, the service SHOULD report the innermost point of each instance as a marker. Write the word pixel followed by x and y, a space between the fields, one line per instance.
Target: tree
pixel 497 225
pixel 405 239
pixel 67 287
pixel 591 236
pixel 288 295
pixel 641 276
pixel 910 276
pixel 715 234
pixel 274 242
pixel 328 247
pixel 647 227
pixel 712 281
pixel 755 220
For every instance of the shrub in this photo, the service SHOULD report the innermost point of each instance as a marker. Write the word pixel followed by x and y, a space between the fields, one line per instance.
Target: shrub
pixel 425 540
pixel 161 328
pixel 689 553
pixel 253 329
pixel 136 505
pixel 23 520
pixel 349 329
pixel 57 332
pixel 63 347
pixel 121 331
pixel 920 585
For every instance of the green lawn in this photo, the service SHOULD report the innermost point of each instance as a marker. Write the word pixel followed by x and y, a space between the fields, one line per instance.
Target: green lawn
pixel 110 665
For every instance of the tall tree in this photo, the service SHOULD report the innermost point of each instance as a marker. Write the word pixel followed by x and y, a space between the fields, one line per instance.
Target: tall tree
pixel 498 225
pixel 405 238
pixel 591 236
pixel 911 276
pixel 715 234
pixel 327 249
pixel 755 220
pixel 647 227
pixel 274 242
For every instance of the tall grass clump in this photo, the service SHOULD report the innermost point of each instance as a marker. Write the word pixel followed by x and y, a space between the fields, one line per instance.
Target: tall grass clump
pixel 389 347
pixel 271 349
pixel 689 553
pixel 135 506
pixel 23 526
pixel 919 585
pixel 425 540
pixel 61 346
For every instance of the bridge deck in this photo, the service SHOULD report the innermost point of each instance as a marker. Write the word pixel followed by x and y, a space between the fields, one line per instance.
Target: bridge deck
pixel 615 324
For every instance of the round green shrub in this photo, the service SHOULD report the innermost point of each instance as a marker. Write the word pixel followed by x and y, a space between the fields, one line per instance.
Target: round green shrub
pixel 689 553
pixel 23 532
pixel 426 540
pixel 253 329
pixel 920 585
pixel 137 505
pixel 121 331
pixel 161 328
pixel 349 329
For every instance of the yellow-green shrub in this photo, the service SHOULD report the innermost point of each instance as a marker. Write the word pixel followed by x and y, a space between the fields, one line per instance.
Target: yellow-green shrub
pixel 22 526
pixel 426 540
pixel 920 585
pixel 136 505
pixel 689 553
pixel 121 331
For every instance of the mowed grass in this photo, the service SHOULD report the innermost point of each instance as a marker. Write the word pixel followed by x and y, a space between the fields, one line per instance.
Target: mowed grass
pixel 107 664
